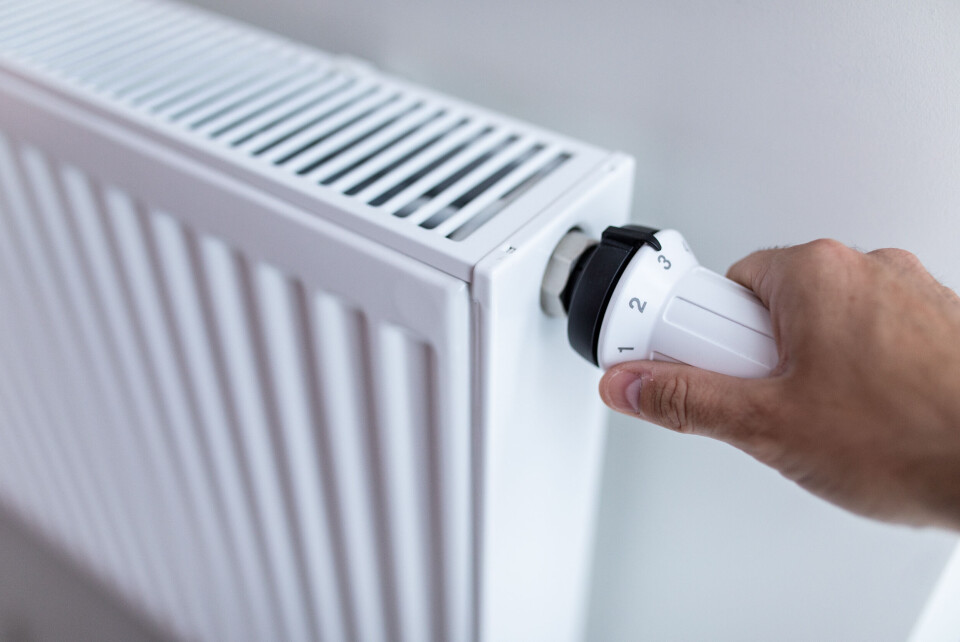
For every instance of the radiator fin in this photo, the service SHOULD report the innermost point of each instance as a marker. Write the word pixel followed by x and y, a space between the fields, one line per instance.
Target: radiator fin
pixel 399 150
pixel 221 479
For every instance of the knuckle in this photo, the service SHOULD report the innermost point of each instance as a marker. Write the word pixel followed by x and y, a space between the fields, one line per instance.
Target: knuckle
pixel 672 404
pixel 897 256
pixel 819 264
pixel 828 250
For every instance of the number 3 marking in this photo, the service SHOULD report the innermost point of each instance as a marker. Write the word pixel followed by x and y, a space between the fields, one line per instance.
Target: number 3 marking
pixel 637 304
pixel 665 261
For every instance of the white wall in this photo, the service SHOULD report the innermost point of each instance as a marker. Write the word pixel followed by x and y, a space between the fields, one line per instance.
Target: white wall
pixel 755 123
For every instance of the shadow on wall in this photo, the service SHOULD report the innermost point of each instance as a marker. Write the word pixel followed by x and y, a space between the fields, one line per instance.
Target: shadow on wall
pixel 45 597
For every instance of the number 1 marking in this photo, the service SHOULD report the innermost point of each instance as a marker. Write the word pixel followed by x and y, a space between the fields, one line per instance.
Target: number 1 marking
pixel 622 349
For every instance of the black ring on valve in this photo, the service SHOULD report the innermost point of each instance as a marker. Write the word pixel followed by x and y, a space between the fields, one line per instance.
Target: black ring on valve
pixel 593 280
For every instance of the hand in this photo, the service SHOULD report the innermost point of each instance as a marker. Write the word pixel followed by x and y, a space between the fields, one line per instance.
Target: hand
pixel 864 406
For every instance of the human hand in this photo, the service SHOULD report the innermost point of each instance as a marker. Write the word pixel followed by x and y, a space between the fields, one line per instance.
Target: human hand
pixel 863 408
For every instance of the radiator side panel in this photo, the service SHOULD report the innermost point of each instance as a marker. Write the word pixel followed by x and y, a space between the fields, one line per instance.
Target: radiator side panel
pixel 250 427
pixel 543 428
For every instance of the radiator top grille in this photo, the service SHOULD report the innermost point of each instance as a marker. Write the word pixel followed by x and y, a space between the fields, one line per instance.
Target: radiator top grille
pixel 404 154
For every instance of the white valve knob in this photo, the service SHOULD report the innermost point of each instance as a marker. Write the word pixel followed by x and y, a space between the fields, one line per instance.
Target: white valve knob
pixel 667 307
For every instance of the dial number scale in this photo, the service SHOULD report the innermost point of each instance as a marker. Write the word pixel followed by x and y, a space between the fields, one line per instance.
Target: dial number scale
pixel 627 300
pixel 666 306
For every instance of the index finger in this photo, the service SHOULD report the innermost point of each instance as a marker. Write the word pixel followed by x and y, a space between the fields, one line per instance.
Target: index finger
pixel 753 270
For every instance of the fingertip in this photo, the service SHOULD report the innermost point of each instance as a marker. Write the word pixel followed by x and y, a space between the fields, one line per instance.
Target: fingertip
pixel 620 388
pixel 742 271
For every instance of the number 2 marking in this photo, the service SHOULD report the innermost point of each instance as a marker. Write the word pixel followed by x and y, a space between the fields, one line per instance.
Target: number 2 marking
pixel 637 304
pixel 665 261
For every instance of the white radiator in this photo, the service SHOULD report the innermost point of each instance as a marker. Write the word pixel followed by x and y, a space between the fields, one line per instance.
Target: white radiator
pixel 272 361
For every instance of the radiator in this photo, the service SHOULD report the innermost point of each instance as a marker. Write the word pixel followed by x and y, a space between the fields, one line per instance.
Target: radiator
pixel 272 361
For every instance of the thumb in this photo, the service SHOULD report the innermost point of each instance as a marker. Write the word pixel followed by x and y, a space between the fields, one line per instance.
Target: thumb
pixel 690 400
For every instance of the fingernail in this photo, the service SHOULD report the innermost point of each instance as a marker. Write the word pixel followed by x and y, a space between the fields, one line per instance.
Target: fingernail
pixel 623 392
pixel 632 394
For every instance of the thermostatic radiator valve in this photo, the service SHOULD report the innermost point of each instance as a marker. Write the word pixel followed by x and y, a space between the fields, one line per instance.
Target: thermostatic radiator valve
pixel 639 293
